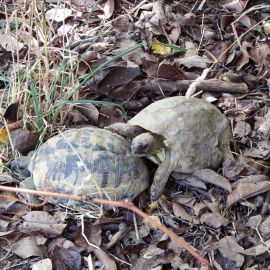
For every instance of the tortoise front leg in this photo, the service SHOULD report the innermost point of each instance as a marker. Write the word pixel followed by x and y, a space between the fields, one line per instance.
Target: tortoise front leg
pixel 126 130
pixel 161 177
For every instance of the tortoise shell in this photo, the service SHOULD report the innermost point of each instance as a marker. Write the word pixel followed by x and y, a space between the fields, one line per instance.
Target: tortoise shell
pixel 196 132
pixel 88 161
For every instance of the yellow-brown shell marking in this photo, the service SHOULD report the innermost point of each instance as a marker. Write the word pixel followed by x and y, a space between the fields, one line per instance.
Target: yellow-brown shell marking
pixel 89 161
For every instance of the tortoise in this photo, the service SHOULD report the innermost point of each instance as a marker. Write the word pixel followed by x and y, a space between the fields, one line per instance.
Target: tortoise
pixel 180 134
pixel 86 161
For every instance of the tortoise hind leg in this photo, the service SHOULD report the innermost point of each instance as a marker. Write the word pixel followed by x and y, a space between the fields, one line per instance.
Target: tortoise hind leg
pixel 125 130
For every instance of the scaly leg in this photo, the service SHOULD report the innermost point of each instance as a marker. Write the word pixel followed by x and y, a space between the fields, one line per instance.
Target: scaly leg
pixel 161 177
pixel 126 130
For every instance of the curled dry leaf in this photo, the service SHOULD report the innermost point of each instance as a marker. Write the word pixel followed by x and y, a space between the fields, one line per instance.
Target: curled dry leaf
pixel 43 222
pixel 108 9
pixel 211 177
pixel 248 187
pixel 209 97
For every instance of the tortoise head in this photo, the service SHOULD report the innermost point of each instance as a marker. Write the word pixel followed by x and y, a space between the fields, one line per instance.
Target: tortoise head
pixel 19 166
pixel 146 144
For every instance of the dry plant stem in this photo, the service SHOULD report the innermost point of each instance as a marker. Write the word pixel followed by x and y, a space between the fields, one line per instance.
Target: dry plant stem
pixel 193 87
pixel 212 85
pixel 181 242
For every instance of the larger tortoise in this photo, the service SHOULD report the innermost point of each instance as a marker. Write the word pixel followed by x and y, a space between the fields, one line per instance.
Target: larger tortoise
pixel 180 134
pixel 87 161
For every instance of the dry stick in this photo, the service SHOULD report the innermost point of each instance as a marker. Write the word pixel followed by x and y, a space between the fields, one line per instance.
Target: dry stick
pixel 212 85
pixel 181 242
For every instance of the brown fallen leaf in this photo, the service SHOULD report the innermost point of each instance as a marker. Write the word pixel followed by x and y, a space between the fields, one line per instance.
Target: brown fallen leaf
pixel 43 222
pixel 163 70
pixel 230 249
pixel 58 14
pixel 264 129
pixel 232 169
pixel 234 5
pixel 241 130
pixel 188 180
pixel 264 228
pixel 11 112
pixel 92 233
pixel 187 200
pixel 27 247
pixel 105 259
pixel 219 51
pixel 262 150
pixel 9 42
pixel 108 9
pixel 24 141
pixel 211 177
pixel 248 187
pixel 45 264
pixel 180 212
pixel 66 259
pixel 214 219
pixel 117 77
pixel 258 250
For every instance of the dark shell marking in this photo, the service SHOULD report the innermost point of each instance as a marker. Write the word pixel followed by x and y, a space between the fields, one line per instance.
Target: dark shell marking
pixel 89 161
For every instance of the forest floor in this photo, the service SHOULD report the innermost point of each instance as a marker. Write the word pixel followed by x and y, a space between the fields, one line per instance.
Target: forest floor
pixel 69 64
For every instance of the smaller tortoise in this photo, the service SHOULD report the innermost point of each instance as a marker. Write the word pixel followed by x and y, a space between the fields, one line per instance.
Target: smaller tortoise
pixel 180 134
pixel 87 161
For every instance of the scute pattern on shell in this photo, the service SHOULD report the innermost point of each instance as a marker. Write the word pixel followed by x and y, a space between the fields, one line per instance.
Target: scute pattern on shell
pixel 195 131
pixel 89 161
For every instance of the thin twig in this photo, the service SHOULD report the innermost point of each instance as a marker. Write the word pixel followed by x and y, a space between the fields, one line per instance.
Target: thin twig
pixel 180 241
